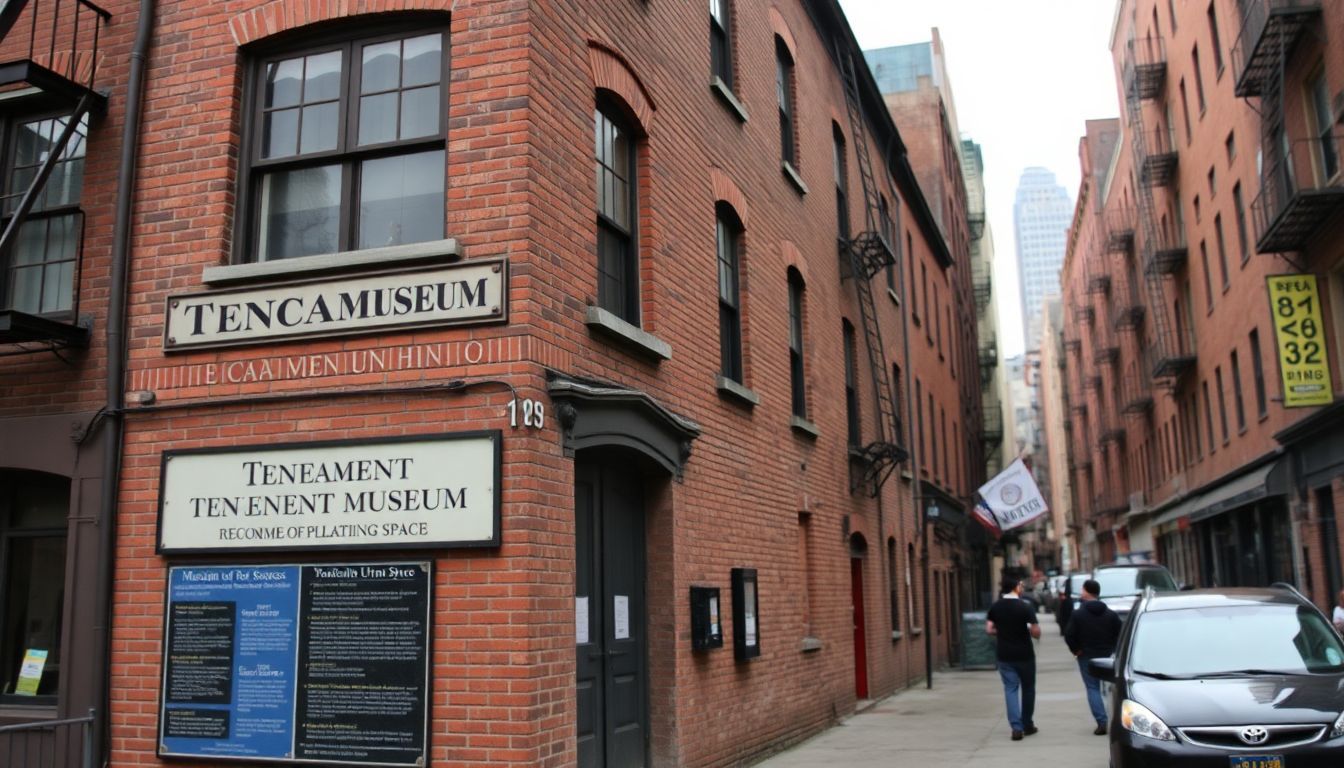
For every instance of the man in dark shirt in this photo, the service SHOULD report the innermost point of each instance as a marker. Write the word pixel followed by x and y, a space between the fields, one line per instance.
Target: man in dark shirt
pixel 1013 621
pixel 1092 633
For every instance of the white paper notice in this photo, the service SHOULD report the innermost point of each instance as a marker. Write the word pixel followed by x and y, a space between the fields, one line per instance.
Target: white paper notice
pixel 714 615
pixel 751 629
pixel 622 617
pixel 581 620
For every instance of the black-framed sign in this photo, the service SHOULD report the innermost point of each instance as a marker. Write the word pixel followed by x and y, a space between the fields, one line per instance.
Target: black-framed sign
pixel 411 492
pixel 746 615
pixel 706 618
pixel 318 663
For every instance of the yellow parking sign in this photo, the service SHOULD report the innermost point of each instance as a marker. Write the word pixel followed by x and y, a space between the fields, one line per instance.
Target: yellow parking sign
pixel 1304 361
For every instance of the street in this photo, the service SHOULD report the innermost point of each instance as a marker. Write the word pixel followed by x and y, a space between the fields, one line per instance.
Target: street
pixel 961 722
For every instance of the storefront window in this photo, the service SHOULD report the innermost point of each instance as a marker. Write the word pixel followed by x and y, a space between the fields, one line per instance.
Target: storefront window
pixel 33 509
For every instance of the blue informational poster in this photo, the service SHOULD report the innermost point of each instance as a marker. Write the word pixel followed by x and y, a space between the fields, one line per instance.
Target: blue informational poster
pixel 297 663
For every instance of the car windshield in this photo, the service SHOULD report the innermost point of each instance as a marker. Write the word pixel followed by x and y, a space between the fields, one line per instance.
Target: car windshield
pixel 1196 642
pixel 1117 582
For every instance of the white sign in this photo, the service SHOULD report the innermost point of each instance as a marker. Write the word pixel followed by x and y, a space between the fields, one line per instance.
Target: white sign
pixel 1013 498
pixel 431 491
pixel 581 620
pixel 470 292
pixel 622 617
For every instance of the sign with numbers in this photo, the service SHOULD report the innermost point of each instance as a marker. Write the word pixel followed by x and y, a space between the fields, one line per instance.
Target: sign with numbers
pixel 1304 360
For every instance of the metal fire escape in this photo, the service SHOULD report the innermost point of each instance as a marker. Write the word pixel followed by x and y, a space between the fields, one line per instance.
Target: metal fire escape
pixel 1145 75
pixel 864 255
pixel 56 70
pixel 1300 188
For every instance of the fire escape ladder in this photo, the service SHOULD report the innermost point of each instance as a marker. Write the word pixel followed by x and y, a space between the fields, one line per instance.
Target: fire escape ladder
pixel 869 254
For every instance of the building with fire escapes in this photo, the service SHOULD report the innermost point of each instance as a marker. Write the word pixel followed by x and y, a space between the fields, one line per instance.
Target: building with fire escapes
pixel 1204 292
pixel 296 275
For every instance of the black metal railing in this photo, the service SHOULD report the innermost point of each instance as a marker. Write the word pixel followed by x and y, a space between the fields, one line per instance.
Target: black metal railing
pixel 1145 71
pixel 1159 157
pixel 1118 232
pixel 60 36
pixel 991 425
pixel 1299 191
pixel 49 743
pixel 1269 30
pixel 1167 253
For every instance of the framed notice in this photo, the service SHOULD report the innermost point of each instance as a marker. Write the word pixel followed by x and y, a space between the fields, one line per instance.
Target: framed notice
pixel 416 492
pixel 320 663
pixel 746 615
pixel 1304 359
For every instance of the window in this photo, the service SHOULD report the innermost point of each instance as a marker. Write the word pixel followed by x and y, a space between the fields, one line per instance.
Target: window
pixel 1237 401
pixel 1193 411
pixel 1185 110
pixel 937 322
pixel 1215 39
pixel 40 275
pixel 1327 156
pixel 347 147
pixel 896 401
pixel 1208 276
pixel 1258 372
pixel 728 231
pixel 924 282
pixel 851 386
pixel 914 295
pixel 893 584
pixel 1208 415
pixel 1171 11
pixel 1199 79
pixel 1222 402
pixel 33 510
pixel 841 168
pixel 887 229
pixel 1197 208
pixel 784 95
pixel 947 467
pixel 1222 250
pixel 933 436
pixel 720 41
pixel 798 383
pixel 617 259
pixel 1230 147
pixel 1213 182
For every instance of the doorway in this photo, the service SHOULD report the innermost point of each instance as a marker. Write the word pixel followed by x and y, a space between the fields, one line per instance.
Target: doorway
pixel 610 608
pixel 857 547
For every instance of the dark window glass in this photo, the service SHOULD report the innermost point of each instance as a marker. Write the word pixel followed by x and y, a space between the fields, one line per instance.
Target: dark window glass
pixel 1208 278
pixel 841 169
pixel 1240 207
pixel 1326 152
pixel 33 511
pixel 617 270
pixel 1185 110
pixel 350 145
pixel 1199 79
pixel 1208 416
pixel 1258 371
pixel 1222 401
pixel 919 420
pixel 893 583
pixel 784 95
pixel 933 437
pixel 730 310
pixel 1222 250
pixel 1215 38
pixel 1237 401
pixel 720 41
pixel 851 386
pixel 1193 642
pixel 39 277
pixel 796 374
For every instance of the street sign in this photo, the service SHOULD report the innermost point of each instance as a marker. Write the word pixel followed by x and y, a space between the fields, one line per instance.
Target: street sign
pixel 1304 361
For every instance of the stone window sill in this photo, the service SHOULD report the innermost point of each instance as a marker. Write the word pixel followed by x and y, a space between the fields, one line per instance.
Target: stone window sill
pixel 635 339
pixel 437 251
pixel 896 634
pixel 804 427
pixel 725 93
pixel 810 645
pixel 916 631
pixel 791 174
pixel 735 391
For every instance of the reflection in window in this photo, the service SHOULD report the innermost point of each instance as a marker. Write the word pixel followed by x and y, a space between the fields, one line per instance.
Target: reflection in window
pixel 33 511
pixel 618 278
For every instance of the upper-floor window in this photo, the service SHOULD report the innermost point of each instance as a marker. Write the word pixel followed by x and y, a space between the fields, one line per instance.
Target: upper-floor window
pixel 347 147
pixel 841 168
pixel 721 41
pixel 784 95
pixel 851 385
pixel 1327 154
pixel 39 270
pixel 728 234
pixel 797 379
pixel 617 256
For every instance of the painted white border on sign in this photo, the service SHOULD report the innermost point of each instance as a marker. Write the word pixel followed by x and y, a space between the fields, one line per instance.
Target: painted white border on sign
pixel 419 492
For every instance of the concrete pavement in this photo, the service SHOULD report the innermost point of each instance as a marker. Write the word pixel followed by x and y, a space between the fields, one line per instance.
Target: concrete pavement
pixel 961 723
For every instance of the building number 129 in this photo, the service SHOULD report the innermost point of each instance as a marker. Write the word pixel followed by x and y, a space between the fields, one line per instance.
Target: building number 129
pixel 533 413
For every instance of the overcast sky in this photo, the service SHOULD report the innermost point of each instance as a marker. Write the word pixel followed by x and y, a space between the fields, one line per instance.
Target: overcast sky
pixel 1025 75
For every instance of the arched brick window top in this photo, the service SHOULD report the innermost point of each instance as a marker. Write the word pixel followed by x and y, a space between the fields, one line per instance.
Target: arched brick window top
pixel 793 258
pixel 781 28
pixel 611 72
pixel 279 16
pixel 726 191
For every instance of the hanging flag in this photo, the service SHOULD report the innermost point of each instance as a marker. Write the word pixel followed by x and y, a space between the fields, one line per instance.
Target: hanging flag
pixel 1013 498
pixel 985 516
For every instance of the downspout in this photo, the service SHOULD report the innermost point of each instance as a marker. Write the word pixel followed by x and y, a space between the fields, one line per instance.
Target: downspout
pixel 115 387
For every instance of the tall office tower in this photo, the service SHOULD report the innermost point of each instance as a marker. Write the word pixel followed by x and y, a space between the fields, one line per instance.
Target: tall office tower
pixel 1041 217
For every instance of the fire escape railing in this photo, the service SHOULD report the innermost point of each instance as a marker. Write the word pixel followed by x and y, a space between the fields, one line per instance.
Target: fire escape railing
pixel 1299 192
pixel 1269 29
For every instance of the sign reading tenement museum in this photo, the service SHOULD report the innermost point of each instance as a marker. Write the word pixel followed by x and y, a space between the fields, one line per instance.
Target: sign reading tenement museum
pixel 418 492
pixel 469 292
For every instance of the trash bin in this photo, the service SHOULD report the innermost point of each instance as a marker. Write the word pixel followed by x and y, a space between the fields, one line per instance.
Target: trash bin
pixel 977 647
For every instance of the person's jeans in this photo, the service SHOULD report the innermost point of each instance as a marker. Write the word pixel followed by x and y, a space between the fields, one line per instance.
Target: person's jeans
pixel 1094 698
pixel 1019 677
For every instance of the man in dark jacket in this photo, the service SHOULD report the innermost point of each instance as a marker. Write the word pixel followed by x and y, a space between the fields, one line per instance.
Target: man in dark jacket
pixel 1092 633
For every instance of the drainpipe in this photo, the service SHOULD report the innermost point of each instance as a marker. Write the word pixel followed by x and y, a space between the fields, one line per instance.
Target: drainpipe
pixel 116 371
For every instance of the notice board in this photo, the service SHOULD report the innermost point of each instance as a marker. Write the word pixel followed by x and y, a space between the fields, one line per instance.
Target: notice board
pixel 320 663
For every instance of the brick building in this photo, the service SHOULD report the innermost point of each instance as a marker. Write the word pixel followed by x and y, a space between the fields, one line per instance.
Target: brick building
pixel 494 364
pixel 1204 431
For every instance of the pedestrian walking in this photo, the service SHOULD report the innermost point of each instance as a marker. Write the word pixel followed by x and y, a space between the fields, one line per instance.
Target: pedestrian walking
pixel 1092 634
pixel 1012 621
pixel 1338 617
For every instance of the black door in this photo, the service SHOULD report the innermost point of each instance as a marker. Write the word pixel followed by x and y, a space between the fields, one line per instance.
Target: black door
pixel 609 589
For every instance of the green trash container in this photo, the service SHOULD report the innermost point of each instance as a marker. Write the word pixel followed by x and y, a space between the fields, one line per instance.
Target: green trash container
pixel 977 651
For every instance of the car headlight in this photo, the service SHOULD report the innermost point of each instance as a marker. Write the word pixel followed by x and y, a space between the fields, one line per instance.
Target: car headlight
pixel 1338 730
pixel 1137 718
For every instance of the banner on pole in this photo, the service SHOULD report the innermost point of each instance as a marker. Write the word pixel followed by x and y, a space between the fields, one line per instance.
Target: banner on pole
pixel 1013 498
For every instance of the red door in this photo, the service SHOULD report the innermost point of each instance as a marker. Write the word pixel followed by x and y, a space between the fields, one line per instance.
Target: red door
pixel 860 647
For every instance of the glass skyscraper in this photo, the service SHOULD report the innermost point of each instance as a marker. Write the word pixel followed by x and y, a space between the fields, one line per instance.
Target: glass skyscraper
pixel 1041 217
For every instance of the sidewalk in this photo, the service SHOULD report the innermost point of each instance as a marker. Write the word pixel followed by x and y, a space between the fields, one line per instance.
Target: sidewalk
pixel 961 723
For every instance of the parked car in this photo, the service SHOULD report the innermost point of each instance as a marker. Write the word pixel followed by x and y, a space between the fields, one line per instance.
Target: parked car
pixel 1232 678
pixel 1122 583
pixel 1068 597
